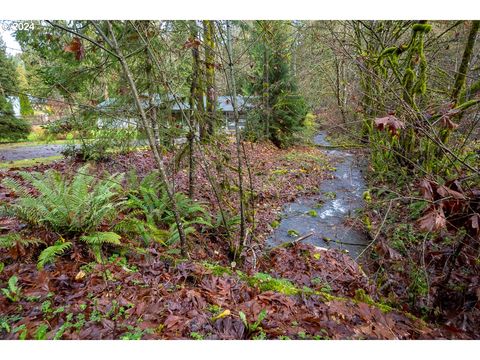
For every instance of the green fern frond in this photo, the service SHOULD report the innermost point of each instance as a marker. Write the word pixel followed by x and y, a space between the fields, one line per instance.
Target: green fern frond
pixel 149 204
pixel 96 240
pixel 14 239
pixel 100 238
pixel 50 254
pixel 175 236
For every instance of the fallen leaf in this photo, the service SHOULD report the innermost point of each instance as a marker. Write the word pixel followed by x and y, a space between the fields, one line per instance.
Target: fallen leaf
pixel 223 314
pixel 80 275
pixel 433 220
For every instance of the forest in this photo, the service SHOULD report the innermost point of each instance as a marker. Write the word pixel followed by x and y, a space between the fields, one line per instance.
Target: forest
pixel 239 179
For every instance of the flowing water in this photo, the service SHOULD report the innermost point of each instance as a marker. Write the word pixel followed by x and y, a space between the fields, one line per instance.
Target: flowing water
pixel 338 199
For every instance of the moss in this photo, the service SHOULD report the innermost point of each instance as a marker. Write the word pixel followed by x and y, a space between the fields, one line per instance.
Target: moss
pixel 232 187
pixel 408 78
pixel 467 104
pixel 330 195
pixel 266 282
pixel 425 28
pixel 361 296
pixel 312 213
pixel 388 51
pixel 275 224
pixel 216 269
pixel 319 205
pixel 421 84
pixel 280 172
pixel 292 233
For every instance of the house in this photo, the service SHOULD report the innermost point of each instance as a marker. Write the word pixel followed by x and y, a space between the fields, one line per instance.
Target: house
pixel 115 110
pixel 224 104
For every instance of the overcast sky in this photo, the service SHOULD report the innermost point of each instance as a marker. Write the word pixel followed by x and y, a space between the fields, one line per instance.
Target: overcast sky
pixel 13 47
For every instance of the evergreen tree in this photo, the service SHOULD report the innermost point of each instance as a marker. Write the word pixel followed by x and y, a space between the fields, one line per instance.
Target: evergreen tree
pixel 11 128
pixel 283 109
pixel 25 104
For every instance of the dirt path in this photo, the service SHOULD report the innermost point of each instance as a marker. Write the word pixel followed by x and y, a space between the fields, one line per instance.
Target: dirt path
pixel 30 152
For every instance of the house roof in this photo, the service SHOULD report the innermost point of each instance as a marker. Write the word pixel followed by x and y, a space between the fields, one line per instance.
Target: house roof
pixel 224 103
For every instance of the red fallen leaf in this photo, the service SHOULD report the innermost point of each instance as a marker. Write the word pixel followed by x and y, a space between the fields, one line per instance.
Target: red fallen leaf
pixel 230 328
pixel 475 223
pixel 447 123
pixel 364 311
pixel 433 220
pixel 108 324
pixel 389 122
pixel 387 252
pixel 452 201
pixel 447 112
pixel 195 299
pixel 171 321
pixel 447 192
pixel 75 47
pixel 426 189
pixel 140 308
pixel 192 43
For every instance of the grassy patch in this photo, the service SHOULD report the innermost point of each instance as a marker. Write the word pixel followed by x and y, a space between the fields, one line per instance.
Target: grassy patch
pixel 304 159
pixel 29 162
pixel 343 141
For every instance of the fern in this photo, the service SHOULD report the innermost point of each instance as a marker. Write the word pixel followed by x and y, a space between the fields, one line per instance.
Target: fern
pixel 151 211
pixel 50 254
pixel 67 207
pixel 147 230
pixel 225 223
pixel 175 236
pixel 16 240
pixel 98 239
pixel 12 292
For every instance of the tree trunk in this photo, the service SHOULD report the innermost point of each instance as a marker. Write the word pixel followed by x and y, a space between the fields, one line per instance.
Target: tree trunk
pixel 193 105
pixel 463 69
pixel 209 41
pixel 233 94
pixel 266 93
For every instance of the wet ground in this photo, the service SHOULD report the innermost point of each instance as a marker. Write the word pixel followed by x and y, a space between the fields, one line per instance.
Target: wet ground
pixel 30 152
pixel 326 215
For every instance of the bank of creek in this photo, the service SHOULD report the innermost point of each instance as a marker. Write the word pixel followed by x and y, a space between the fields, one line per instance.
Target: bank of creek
pixel 324 217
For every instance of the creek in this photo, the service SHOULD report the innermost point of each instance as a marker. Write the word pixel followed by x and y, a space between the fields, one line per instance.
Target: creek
pixel 325 215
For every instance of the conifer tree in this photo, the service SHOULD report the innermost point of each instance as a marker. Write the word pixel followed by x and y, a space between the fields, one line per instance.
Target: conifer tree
pixel 283 108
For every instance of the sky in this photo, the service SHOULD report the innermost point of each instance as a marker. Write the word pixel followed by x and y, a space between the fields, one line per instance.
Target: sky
pixel 13 47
